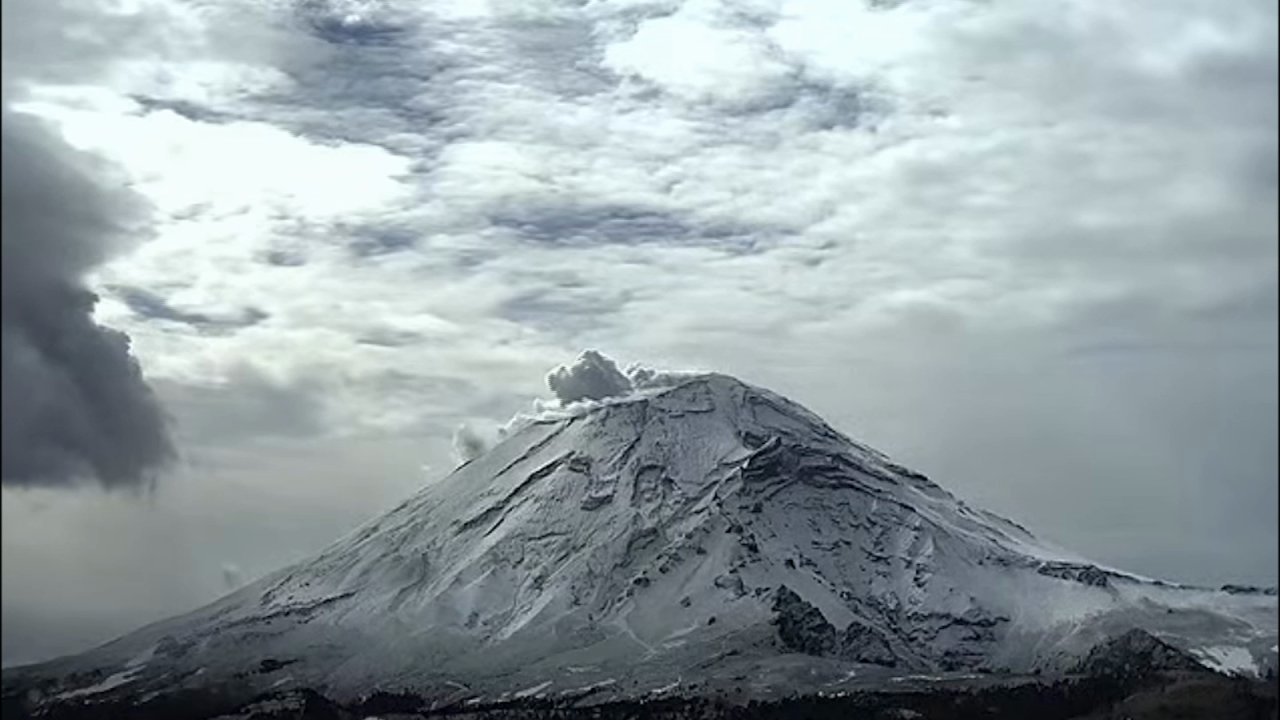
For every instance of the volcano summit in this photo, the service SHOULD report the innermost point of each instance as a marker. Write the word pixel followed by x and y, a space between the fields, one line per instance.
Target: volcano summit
pixel 662 534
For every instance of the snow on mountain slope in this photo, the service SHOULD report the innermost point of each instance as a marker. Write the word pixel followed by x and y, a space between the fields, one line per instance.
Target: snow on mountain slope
pixel 678 534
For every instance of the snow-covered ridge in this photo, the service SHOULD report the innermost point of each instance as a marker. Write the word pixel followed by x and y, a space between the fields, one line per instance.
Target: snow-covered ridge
pixel 667 528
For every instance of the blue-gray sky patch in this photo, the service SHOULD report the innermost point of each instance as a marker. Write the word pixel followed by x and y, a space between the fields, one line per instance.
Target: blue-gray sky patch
pixel 153 306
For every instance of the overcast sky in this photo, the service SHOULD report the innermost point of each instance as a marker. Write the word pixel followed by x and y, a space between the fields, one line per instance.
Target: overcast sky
pixel 1027 247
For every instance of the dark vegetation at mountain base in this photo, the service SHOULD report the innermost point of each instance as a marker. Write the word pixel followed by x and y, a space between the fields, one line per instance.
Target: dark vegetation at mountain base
pixel 1187 695
pixel 1132 676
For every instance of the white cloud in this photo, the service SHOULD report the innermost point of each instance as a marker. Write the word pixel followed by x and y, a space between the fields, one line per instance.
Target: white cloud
pixel 699 62
pixel 216 172
pixel 467 444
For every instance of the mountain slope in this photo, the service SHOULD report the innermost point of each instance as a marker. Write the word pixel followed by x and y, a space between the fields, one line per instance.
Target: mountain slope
pixel 685 535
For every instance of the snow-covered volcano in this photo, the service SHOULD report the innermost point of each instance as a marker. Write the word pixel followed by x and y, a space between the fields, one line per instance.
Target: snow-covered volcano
pixel 685 534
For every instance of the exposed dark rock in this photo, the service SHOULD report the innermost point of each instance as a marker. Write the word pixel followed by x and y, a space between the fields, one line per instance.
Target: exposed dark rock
pixel 732 583
pixel 801 626
pixel 580 463
pixel 1248 590
pixel 1135 656
pixel 596 500
pixel 1077 572
pixel 770 460
pixel 271 665
pixel 863 643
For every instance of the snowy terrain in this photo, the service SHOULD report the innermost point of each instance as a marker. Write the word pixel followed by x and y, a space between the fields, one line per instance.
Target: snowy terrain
pixel 686 533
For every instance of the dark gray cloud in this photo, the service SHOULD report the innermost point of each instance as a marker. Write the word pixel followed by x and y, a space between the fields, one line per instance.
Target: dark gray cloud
pixel 152 305
pixel 405 84
pixel 591 377
pixel 75 404
pixel 372 241
pixel 578 224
